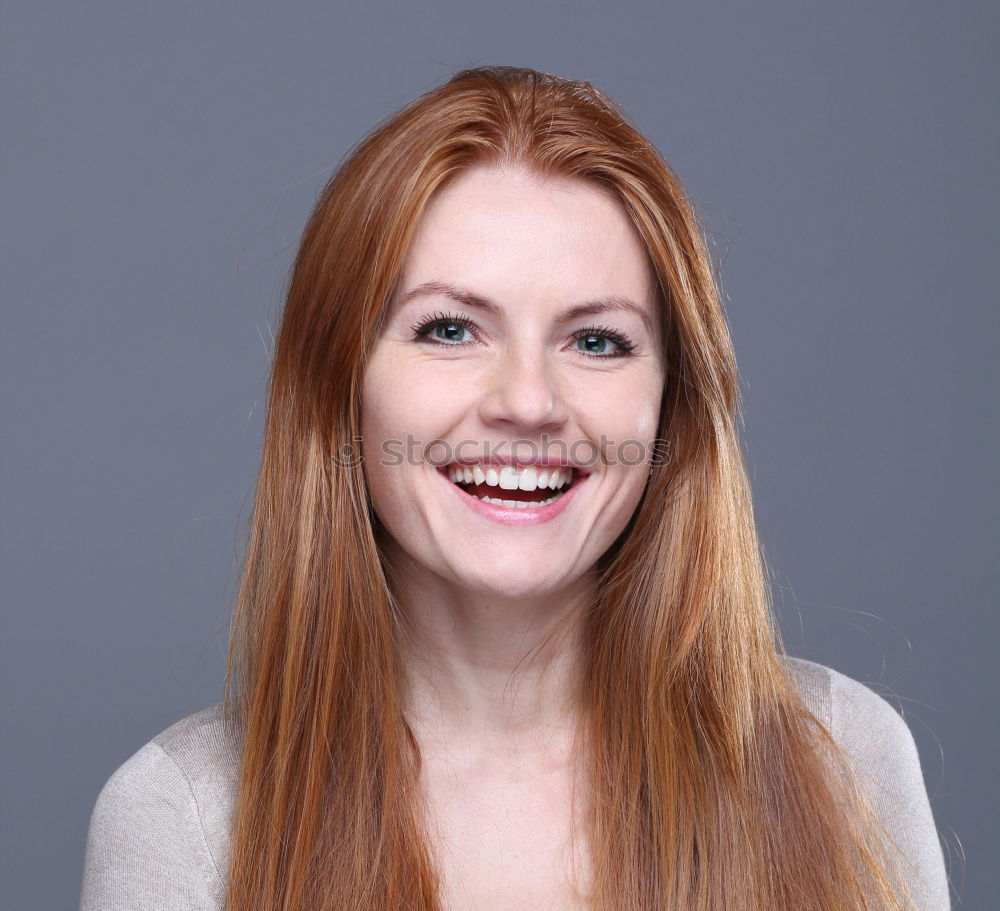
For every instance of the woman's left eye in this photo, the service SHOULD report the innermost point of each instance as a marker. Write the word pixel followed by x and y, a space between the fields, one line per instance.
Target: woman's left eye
pixel 596 341
pixel 451 330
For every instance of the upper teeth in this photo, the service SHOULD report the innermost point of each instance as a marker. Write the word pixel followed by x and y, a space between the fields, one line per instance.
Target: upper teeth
pixel 510 478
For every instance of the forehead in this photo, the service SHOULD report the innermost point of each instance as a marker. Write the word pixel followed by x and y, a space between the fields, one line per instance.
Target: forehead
pixel 507 232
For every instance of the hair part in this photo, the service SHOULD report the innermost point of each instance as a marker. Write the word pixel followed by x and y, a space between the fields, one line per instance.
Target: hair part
pixel 712 786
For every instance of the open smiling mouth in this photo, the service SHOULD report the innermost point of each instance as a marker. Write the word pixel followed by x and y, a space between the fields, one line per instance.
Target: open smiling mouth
pixel 522 487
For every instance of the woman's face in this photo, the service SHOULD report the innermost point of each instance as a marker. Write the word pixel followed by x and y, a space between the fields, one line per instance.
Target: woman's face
pixel 524 336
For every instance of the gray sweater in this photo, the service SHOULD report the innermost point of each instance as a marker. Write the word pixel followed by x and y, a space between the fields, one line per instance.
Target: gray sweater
pixel 159 833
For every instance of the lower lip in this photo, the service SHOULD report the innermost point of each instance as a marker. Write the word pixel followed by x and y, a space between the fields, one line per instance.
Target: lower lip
pixel 525 515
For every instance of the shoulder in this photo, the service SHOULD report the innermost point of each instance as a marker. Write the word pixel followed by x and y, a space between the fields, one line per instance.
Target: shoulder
pixel 854 714
pixel 872 734
pixel 159 831
pixel 880 749
pixel 205 747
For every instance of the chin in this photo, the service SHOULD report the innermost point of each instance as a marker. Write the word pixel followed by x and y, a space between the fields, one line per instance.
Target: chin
pixel 520 582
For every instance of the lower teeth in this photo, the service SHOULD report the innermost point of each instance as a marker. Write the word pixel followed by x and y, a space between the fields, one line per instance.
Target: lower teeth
pixel 518 504
pixel 521 504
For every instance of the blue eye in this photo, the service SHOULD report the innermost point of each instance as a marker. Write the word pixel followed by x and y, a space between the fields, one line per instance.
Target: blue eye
pixel 596 340
pixel 450 330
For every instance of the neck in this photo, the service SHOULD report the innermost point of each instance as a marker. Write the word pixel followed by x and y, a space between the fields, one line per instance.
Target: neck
pixel 487 671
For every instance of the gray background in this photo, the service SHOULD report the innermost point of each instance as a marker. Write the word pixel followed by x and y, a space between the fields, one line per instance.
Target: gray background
pixel 158 162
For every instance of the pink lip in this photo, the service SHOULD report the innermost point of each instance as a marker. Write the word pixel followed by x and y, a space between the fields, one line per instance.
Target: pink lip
pixel 529 515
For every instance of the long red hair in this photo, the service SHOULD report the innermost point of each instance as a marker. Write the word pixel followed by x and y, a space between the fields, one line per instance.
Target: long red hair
pixel 712 786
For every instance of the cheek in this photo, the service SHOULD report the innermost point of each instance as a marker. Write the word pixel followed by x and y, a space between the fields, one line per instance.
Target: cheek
pixel 625 417
pixel 397 398
pixel 383 436
pixel 402 409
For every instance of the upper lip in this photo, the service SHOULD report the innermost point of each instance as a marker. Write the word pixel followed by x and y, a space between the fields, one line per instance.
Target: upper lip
pixel 520 462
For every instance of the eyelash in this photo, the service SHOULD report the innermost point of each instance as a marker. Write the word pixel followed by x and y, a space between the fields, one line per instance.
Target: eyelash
pixel 422 328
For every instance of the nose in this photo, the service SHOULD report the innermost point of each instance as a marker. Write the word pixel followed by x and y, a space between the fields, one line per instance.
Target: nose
pixel 522 395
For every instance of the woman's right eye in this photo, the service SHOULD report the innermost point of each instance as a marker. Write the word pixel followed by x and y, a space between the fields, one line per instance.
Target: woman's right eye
pixel 444 329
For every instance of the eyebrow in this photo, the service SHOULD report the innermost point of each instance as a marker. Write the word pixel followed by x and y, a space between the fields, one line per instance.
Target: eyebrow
pixel 613 304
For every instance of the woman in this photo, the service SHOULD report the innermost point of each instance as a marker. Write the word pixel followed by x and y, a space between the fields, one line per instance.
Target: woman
pixel 503 637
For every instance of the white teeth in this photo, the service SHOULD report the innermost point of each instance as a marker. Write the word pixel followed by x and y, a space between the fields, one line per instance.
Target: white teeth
pixel 520 504
pixel 527 479
pixel 509 477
